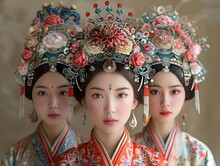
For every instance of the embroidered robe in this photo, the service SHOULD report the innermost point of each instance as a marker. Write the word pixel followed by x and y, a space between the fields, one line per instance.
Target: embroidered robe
pixel 127 153
pixel 180 149
pixel 35 149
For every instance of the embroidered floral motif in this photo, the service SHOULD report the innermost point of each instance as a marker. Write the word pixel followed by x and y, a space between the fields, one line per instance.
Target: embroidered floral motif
pixel 129 153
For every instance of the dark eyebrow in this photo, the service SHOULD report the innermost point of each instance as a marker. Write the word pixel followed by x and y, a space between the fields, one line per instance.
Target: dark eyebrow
pixel 45 87
pixel 123 88
pixel 172 86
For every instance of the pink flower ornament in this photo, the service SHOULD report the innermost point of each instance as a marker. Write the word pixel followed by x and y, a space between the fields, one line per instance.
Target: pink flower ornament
pixel 23 69
pixel 74 46
pixel 26 55
pixel 195 68
pixel 192 53
pixel 162 21
pixel 52 20
pixel 137 59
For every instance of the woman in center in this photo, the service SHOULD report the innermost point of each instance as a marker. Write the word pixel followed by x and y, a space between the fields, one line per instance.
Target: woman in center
pixel 114 74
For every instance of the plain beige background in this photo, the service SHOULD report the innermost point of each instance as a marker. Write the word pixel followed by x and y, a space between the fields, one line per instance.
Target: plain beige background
pixel 15 18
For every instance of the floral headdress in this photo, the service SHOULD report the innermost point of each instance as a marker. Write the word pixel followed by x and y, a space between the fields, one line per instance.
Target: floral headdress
pixel 50 42
pixel 111 40
pixel 177 43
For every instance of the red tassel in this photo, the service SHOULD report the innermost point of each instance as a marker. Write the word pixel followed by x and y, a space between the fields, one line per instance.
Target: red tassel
pixel 197 101
pixel 71 92
pixel 145 117
pixel 196 86
pixel 22 100
pixel 146 91
pixel 70 102
pixel 22 90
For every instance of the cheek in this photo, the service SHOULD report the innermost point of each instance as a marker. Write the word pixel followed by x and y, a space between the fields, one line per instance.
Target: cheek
pixel 179 101
pixel 62 101
pixel 154 101
pixel 40 102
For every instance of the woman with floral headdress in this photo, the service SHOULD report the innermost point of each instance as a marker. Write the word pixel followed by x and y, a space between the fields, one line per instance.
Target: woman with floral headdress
pixel 47 80
pixel 176 72
pixel 110 89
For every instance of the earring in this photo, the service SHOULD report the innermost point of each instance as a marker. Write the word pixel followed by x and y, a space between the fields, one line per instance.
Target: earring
pixel 33 116
pixel 184 117
pixel 84 118
pixel 133 121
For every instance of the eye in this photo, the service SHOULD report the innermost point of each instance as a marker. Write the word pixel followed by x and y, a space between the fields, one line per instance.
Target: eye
pixel 154 92
pixel 42 93
pixel 175 92
pixel 122 95
pixel 97 96
pixel 63 93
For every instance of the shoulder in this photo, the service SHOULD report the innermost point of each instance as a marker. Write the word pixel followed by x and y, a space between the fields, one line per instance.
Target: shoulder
pixel 149 155
pixel 22 144
pixel 192 141
pixel 18 149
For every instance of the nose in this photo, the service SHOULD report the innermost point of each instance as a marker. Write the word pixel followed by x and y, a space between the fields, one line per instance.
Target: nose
pixel 165 102
pixel 53 103
pixel 110 106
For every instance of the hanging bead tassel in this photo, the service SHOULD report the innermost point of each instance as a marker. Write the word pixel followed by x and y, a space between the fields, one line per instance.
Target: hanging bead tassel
pixel 22 102
pixel 145 117
pixel 197 101
pixel 70 102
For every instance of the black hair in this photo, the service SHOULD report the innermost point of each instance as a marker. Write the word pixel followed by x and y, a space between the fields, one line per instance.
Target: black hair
pixel 178 72
pixel 127 74
pixel 38 72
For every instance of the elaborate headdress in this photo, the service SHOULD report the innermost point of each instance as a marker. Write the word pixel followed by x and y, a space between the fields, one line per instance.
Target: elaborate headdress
pixel 111 40
pixel 176 43
pixel 50 42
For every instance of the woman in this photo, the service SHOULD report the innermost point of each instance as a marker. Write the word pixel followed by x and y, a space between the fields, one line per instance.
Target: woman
pixel 45 81
pixel 176 73
pixel 109 93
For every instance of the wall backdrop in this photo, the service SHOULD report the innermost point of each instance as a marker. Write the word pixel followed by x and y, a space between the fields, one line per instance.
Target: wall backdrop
pixel 15 18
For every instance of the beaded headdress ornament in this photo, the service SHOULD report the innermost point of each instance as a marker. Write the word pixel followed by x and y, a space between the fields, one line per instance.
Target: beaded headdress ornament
pixel 111 40
pixel 50 42
pixel 176 43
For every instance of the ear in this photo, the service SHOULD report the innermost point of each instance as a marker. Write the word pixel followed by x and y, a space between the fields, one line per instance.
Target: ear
pixel 135 103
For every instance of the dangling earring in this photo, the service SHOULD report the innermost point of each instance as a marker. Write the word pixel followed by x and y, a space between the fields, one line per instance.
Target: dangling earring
pixel 184 117
pixel 84 118
pixel 33 116
pixel 133 120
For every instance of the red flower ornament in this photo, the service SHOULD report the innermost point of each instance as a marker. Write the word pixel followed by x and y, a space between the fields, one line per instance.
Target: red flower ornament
pixel 80 59
pixel 137 59
pixel 52 20
pixel 26 54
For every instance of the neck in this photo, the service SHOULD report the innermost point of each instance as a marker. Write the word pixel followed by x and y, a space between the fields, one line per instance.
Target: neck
pixel 164 128
pixel 52 132
pixel 109 140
